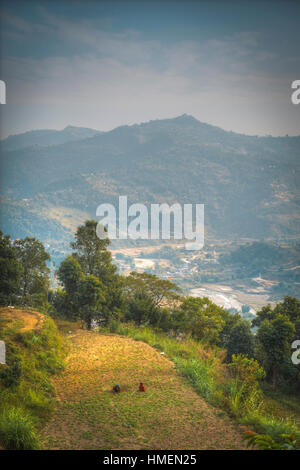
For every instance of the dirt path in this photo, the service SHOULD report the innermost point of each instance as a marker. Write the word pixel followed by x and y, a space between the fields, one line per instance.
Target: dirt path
pixel 170 415
pixel 25 319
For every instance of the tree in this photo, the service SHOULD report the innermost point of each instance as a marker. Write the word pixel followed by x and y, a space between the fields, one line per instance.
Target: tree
pixel 289 307
pixel 92 252
pixel 240 340
pixel 95 259
pixel 274 338
pixel 115 303
pixel 91 299
pixel 160 291
pixel 282 368
pixel 58 300
pixel 70 274
pixel 32 256
pixel 201 318
pixel 10 270
pixel 142 310
pixel 266 313
pixel 230 320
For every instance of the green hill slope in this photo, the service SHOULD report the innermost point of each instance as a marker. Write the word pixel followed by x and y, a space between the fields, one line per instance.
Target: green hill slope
pixel 169 415
pixel 34 352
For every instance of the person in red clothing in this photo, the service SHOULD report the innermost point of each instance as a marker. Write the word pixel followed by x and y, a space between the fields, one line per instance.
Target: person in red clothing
pixel 142 387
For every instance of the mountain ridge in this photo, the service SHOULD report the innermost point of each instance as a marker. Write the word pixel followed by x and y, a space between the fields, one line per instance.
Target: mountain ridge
pixel 41 137
pixel 180 118
pixel 249 184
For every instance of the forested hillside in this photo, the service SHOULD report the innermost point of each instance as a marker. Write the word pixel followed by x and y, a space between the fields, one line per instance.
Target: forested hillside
pixel 248 184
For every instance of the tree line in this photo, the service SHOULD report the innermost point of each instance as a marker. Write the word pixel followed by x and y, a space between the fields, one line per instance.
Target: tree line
pixel 91 290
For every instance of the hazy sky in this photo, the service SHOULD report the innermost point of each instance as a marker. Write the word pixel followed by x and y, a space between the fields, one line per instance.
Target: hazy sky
pixel 103 64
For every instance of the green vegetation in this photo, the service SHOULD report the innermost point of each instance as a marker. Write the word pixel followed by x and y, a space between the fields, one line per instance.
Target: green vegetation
pixel 17 430
pixel 26 393
pixel 11 270
pixel 89 279
pixel 257 257
pixel 234 388
pixel 32 255
pixel 24 272
pixel 159 291
pixel 215 350
pixel 89 416
pixel 277 328
pixel 265 442
pixel 272 261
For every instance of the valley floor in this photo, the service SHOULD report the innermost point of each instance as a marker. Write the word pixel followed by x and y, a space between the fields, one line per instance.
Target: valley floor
pixel 170 415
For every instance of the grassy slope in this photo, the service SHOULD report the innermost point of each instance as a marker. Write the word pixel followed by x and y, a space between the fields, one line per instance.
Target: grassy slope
pixel 32 339
pixel 274 413
pixel 281 405
pixel 170 415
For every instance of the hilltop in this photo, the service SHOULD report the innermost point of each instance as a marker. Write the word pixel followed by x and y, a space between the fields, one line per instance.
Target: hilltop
pixel 21 320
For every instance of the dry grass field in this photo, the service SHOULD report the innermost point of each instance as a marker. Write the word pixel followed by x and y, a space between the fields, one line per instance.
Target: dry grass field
pixel 169 415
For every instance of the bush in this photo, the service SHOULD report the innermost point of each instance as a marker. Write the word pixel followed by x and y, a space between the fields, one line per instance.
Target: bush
pixel 11 375
pixel 17 430
pixel 274 427
pixel 114 326
pixel 265 442
pixel 244 393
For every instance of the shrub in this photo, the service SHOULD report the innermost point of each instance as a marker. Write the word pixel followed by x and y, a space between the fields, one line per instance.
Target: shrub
pixel 247 371
pixel 265 442
pixel 114 326
pixel 11 375
pixel 244 393
pixel 274 427
pixel 17 430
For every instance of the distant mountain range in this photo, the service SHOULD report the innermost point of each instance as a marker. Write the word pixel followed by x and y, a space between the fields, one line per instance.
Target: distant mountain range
pixel 52 180
pixel 47 137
